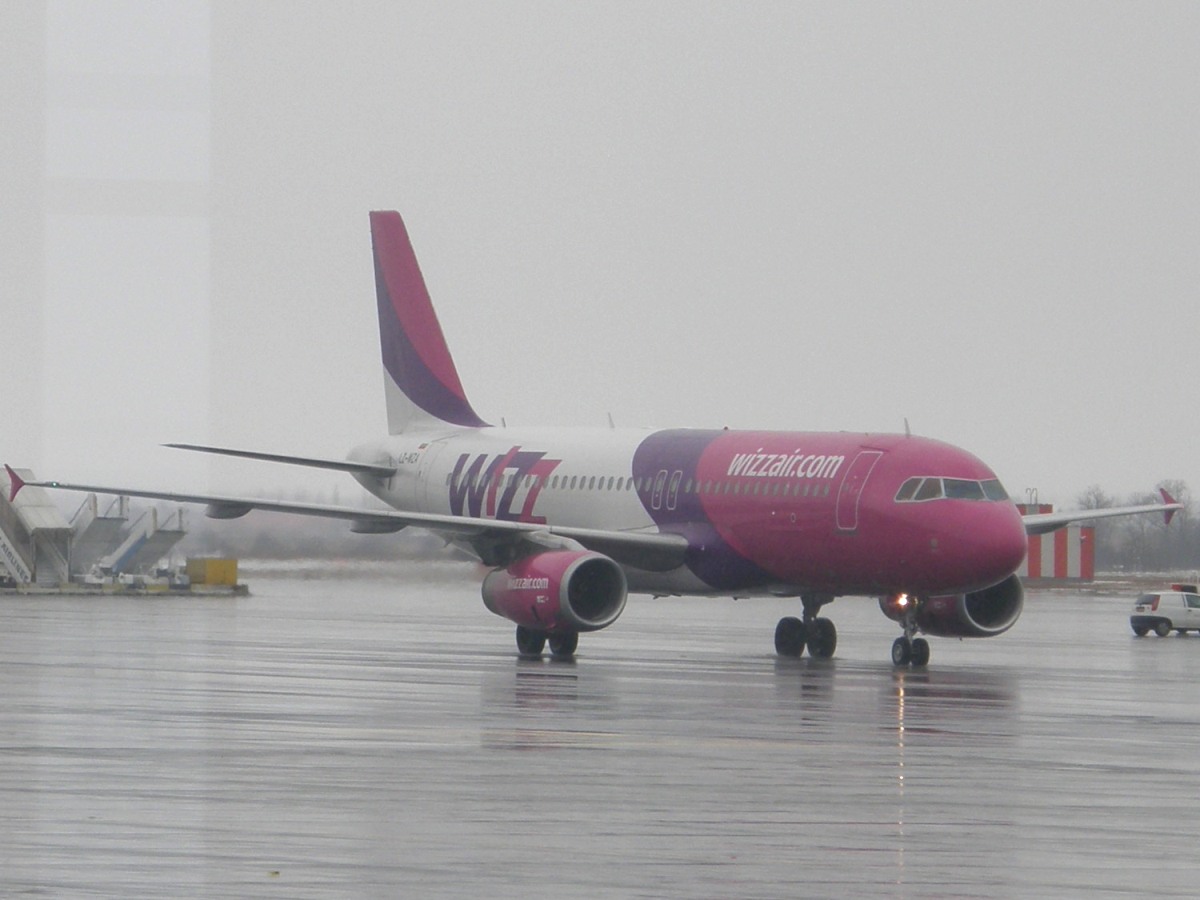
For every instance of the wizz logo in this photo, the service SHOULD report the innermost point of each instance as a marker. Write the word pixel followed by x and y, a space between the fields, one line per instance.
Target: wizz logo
pixel 480 488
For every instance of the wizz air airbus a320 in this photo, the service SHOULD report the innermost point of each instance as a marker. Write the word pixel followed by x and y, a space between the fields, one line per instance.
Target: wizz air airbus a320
pixel 572 520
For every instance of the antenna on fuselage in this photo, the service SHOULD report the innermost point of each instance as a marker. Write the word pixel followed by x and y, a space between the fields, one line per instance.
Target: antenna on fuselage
pixel 611 424
pixel 907 431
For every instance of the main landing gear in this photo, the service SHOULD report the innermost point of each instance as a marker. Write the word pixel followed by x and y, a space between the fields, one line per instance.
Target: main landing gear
pixel 563 644
pixel 819 635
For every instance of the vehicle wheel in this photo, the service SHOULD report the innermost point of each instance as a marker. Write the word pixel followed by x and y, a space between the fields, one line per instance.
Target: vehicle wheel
pixel 1140 630
pixel 920 652
pixel 530 642
pixel 822 638
pixel 790 635
pixel 1162 629
pixel 564 645
pixel 901 651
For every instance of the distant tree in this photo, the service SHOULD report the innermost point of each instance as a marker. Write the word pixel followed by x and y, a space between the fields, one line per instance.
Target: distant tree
pixel 1094 498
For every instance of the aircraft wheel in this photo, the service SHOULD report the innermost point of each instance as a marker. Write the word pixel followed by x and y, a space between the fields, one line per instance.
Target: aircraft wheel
pixel 564 644
pixel 1162 629
pixel 790 635
pixel 530 642
pixel 1140 630
pixel 822 638
pixel 901 651
pixel 920 652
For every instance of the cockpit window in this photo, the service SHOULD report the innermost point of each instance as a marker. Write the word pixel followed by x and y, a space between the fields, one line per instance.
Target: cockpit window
pixel 907 490
pixel 994 490
pixel 915 490
pixel 930 489
pixel 962 489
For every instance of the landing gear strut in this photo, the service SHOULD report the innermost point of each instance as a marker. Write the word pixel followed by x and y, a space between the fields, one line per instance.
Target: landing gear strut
pixel 819 635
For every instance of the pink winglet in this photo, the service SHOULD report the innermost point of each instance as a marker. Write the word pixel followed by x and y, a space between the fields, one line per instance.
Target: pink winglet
pixel 1167 498
pixel 15 483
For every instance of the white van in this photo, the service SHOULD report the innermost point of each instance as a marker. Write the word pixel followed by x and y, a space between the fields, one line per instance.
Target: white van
pixel 1165 611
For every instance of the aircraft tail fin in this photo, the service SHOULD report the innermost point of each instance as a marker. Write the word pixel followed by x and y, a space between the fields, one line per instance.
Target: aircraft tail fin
pixel 421 383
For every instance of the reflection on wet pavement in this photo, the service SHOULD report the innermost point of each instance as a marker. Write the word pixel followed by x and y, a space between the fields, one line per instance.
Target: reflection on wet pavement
pixel 379 737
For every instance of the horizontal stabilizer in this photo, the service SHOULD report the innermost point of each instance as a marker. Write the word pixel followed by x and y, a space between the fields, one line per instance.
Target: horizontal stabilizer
pixel 338 465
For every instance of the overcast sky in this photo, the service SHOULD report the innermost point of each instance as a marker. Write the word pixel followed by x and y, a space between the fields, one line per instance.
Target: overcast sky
pixel 981 218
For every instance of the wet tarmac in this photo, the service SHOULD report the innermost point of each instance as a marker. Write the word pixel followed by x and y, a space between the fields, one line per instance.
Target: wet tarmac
pixel 374 735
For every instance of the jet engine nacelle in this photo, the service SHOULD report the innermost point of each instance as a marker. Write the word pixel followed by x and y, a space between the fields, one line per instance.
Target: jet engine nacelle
pixel 561 590
pixel 985 613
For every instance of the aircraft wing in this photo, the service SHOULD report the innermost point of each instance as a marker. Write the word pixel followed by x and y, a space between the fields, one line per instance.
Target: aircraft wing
pixel 653 551
pixel 1041 523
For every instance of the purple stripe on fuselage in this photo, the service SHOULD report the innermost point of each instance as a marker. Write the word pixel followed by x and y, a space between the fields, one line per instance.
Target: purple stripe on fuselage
pixel 676 510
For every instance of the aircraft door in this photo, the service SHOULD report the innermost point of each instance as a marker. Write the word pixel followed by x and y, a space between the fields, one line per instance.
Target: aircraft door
pixel 852 486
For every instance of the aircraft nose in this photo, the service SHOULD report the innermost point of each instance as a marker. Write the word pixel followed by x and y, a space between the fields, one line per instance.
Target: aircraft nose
pixel 1008 540
pixel 993 543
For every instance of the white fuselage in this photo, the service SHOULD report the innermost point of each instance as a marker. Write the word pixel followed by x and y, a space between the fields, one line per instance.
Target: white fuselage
pixel 576 477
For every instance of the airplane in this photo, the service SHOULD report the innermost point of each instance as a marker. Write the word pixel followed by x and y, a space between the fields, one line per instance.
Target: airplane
pixel 570 521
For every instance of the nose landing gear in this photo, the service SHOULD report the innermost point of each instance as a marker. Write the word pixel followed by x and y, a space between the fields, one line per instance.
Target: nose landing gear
pixel 909 650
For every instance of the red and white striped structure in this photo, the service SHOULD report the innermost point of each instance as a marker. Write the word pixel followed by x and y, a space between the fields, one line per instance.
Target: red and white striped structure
pixel 1068 554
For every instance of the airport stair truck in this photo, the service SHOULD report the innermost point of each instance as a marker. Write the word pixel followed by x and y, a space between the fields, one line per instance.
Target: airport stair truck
pixel 34 537
pixel 94 533
pixel 146 543
pixel 15 561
